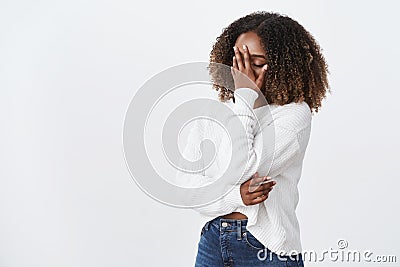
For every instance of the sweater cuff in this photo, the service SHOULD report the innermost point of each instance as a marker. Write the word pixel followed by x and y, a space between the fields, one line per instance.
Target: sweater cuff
pixel 234 198
pixel 245 97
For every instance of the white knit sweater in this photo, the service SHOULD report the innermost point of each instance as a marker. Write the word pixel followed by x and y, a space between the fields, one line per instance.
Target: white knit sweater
pixel 273 222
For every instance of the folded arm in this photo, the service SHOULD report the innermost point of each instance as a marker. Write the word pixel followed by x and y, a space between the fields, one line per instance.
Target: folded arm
pixel 251 151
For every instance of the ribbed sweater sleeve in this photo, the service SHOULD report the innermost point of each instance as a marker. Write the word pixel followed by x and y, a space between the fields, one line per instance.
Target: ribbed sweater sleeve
pixel 270 151
pixel 265 147
pixel 244 102
pixel 224 205
pixel 285 149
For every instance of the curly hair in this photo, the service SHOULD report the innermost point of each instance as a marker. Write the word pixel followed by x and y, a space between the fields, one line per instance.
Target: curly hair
pixel 297 70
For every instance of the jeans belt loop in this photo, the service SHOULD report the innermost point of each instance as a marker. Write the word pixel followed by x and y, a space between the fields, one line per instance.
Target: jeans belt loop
pixel 239 229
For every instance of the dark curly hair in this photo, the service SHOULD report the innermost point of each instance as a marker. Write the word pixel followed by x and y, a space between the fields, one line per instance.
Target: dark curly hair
pixel 297 70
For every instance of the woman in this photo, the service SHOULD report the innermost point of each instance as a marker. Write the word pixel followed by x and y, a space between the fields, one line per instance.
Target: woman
pixel 255 223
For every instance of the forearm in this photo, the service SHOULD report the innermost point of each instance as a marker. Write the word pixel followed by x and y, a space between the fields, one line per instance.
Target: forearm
pixel 244 160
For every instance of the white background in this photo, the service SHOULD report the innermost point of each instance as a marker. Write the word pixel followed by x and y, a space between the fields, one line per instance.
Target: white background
pixel 68 70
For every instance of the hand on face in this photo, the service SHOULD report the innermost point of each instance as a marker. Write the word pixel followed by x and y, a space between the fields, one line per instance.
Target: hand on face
pixel 243 73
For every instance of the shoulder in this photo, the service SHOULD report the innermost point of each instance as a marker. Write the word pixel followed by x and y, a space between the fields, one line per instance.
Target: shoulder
pixel 293 116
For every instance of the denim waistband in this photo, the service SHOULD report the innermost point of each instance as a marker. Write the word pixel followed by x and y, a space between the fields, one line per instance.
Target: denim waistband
pixel 228 224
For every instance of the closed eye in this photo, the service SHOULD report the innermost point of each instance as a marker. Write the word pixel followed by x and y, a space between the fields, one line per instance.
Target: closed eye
pixel 258 66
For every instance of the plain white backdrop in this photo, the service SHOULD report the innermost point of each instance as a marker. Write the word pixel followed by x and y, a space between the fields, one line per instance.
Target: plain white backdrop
pixel 68 70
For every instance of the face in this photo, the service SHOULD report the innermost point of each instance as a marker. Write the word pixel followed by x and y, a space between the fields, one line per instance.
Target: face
pixel 256 51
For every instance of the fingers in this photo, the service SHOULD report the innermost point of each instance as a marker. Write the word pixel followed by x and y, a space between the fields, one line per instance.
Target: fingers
pixel 246 57
pixel 256 189
pixel 238 58
pixel 260 79
pixel 235 65
pixel 259 193
pixel 255 178
pixel 259 199
pixel 262 187
pixel 256 182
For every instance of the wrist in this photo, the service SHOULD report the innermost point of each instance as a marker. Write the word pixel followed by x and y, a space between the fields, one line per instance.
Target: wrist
pixel 245 96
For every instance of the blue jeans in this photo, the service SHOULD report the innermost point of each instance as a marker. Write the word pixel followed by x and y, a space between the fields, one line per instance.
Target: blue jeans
pixel 226 242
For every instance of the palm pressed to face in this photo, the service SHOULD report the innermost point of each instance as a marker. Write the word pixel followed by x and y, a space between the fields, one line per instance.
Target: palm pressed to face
pixel 249 65
pixel 256 50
